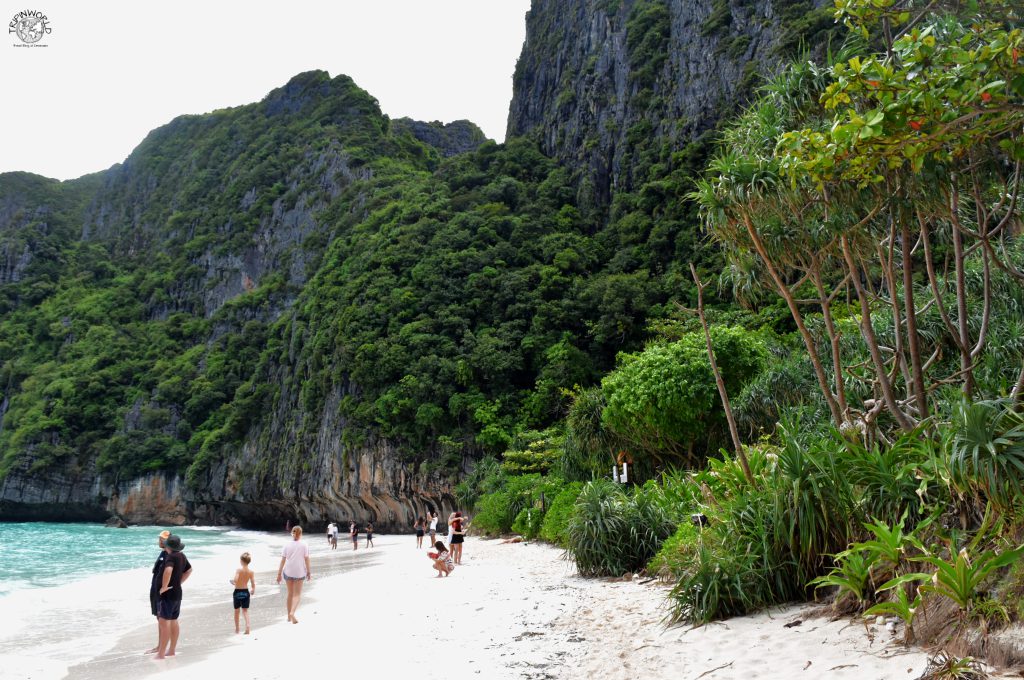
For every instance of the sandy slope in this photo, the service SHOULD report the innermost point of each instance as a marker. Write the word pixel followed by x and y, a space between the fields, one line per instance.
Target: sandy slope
pixel 511 611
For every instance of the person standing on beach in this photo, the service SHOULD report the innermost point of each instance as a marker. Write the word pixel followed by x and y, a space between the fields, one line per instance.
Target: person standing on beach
pixel 154 585
pixel 334 536
pixel 418 526
pixel 353 531
pixel 177 570
pixel 295 568
pixel 457 531
pixel 451 520
pixel 433 527
pixel 244 577
pixel 369 535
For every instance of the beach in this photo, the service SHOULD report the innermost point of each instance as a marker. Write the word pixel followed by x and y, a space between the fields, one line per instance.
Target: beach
pixel 510 611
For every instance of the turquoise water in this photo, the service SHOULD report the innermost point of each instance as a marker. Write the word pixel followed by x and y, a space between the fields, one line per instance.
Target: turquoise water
pixel 43 554
pixel 70 591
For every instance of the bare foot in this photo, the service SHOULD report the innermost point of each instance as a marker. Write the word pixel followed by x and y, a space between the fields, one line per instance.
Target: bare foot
pixel 246 631
pixel 170 653
pixel 294 620
pixel 151 651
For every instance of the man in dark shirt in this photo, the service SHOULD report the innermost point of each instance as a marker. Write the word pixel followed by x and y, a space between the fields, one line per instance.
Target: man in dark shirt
pixel 154 586
pixel 176 571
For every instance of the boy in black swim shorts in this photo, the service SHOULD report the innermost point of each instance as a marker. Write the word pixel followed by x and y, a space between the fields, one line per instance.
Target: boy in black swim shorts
pixel 244 578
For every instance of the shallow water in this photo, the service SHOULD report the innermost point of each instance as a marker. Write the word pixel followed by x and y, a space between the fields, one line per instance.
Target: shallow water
pixel 70 591
pixel 42 554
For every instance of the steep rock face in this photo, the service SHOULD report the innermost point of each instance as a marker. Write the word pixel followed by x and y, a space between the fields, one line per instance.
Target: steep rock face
pixel 313 477
pixel 69 494
pixel 599 78
pixel 152 499
pixel 450 139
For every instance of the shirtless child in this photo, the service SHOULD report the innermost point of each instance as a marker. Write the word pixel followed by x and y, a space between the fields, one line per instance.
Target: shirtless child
pixel 244 576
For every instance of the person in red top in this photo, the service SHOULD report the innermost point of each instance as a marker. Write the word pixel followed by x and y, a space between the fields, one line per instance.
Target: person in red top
pixel 458 537
pixel 177 570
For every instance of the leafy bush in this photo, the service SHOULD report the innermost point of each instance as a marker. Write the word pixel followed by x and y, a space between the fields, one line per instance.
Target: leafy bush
pixel 736 567
pixel 664 401
pixel 528 522
pixel 556 522
pixel 676 553
pixel 517 505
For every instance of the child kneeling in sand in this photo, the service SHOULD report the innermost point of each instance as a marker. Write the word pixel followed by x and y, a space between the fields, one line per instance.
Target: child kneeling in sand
pixel 442 560
pixel 243 578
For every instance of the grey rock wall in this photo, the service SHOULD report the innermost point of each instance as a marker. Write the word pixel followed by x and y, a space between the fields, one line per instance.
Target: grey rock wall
pixel 580 92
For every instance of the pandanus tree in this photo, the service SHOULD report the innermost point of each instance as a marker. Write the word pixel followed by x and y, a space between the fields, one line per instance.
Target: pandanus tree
pixel 888 180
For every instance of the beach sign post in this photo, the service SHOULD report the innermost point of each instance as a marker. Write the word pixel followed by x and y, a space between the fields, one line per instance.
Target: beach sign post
pixel 625 460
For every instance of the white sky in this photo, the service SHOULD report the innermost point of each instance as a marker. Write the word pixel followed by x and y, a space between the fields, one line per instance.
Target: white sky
pixel 115 69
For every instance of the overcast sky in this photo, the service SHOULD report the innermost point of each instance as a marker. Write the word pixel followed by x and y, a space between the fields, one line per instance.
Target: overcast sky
pixel 113 70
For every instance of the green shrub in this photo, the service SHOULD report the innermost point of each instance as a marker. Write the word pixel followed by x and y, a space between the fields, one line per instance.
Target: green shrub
pixel 664 402
pixel 676 553
pixel 498 510
pixel 528 522
pixel 556 522
pixel 612 532
pixel 727 575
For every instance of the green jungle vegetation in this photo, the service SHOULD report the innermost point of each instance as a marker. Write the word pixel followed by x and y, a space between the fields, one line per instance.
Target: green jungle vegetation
pixel 868 445
pixel 840 417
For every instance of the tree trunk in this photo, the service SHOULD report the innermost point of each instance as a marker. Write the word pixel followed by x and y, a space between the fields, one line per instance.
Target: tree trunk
pixel 798 318
pixel 913 341
pixel 733 432
pixel 871 340
pixel 966 365
pixel 833 336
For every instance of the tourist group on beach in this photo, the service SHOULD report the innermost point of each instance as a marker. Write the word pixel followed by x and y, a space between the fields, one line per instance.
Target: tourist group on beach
pixel 172 569
pixel 353 532
pixel 444 557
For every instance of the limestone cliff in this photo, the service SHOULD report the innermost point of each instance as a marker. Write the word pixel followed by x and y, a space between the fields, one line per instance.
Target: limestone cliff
pixel 598 79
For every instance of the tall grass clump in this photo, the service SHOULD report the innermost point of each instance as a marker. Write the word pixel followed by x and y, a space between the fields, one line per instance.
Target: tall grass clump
pixel 812 496
pixel 612 532
pixel 986 451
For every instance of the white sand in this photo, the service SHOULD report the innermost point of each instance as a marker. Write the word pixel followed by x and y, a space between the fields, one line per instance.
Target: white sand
pixel 519 611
